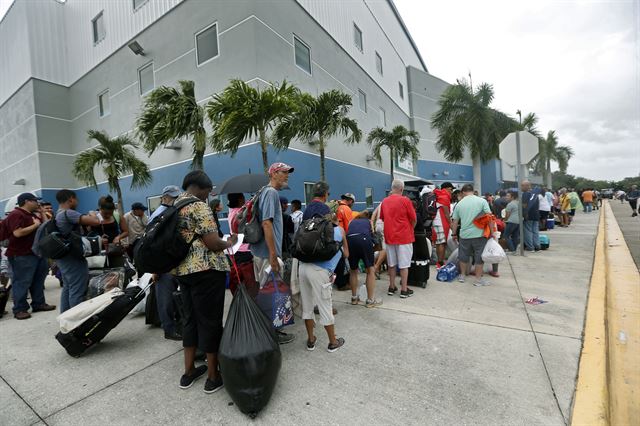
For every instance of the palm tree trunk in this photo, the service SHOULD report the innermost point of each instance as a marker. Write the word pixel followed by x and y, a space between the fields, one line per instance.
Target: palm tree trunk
pixel 322 169
pixel 548 174
pixel 477 174
pixel 198 151
pixel 391 167
pixel 116 185
pixel 263 146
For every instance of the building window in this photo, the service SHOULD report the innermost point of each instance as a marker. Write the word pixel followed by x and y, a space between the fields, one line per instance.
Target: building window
pixel 368 197
pixel 308 192
pixel 362 100
pixel 383 118
pixel 146 79
pixel 99 31
pixel 138 3
pixel 357 37
pixel 207 44
pixel 104 107
pixel 401 90
pixel 379 63
pixel 302 55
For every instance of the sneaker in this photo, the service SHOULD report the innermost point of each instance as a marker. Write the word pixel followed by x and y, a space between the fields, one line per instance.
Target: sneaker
pixel 373 303
pixel 634 214
pixel 339 343
pixel 311 345
pixel 405 294
pixel 284 338
pixel 173 336
pixel 461 278
pixel 482 282
pixel 439 265
pixel 187 380
pixel 494 274
pixel 211 386
pixel 392 291
pixel 44 308
pixel 354 300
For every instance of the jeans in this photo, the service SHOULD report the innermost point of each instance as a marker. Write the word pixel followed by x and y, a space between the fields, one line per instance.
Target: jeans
pixel 75 278
pixel 165 287
pixel 531 235
pixel 29 273
pixel 588 207
pixel 512 235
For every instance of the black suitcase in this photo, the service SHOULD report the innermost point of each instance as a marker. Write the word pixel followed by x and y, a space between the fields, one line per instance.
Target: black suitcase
pixel 98 326
pixel 151 314
pixel 418 273
pixel 4 298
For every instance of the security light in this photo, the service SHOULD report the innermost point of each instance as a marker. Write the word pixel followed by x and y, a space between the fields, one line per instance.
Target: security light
pixel 136 48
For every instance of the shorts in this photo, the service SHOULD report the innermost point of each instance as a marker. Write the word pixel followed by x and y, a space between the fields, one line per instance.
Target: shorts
pixel 399 255
pixel 360 248
pixel 440 237
pixel 315 290
pixel 471 247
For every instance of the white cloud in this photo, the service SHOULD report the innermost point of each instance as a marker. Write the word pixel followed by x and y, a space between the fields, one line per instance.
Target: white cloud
pixel 575 64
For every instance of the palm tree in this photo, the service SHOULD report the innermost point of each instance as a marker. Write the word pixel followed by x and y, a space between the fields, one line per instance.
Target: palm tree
pixel 465 120
pixel 401 142
pixel 529 123
pixel 549 151
pixel 117 158
pixel 169 114
pixel 316 120
pixel 242 112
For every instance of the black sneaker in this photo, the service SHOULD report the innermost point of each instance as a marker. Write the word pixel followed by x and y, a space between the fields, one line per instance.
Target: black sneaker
pixel 405 294
pixel 311 345
pixel 339 343
pixel 392 291
pixel 187 381
pixel 284 338
pixel 211 386
pixel 173 336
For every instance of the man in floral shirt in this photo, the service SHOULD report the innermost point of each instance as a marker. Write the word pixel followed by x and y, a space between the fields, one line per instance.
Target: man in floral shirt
pixel 202 276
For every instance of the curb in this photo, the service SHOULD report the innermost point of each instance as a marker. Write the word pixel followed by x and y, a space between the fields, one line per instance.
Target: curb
pixel 608 385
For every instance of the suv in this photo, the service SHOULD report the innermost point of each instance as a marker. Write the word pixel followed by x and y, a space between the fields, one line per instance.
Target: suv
pixel 607 193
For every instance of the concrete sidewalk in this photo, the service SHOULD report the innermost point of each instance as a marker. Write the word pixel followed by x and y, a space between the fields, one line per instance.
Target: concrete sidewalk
pixel 452 354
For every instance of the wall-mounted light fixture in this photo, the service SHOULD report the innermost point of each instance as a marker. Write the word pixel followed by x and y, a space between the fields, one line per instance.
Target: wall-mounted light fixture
pixel 136 48
pixel 21 181
pixel 461 176
pixel 435 174
pixel 446 173
pixel 174 144
pixel 370 158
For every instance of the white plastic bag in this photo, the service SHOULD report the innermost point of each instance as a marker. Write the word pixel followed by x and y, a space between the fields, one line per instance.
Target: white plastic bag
pixel 492 252
pixel 453 258
pixel 141 282
pixel 362 293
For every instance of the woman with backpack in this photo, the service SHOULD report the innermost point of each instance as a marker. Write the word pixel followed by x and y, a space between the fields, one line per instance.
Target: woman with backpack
pixel 360 241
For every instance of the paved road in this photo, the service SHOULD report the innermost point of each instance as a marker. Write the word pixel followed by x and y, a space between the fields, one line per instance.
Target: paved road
pixel 452 354
pixel 630 227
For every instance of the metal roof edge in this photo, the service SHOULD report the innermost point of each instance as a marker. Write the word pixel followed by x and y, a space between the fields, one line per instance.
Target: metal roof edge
pixel 406 31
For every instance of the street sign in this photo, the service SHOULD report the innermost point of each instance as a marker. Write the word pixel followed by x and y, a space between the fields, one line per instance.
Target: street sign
pixel 528 148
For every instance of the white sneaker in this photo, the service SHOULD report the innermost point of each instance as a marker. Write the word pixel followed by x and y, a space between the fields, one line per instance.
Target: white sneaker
pixel 461 278
pixel 482 282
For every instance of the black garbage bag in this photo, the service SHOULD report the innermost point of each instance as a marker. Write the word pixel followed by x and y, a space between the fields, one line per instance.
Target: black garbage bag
pixel 249 355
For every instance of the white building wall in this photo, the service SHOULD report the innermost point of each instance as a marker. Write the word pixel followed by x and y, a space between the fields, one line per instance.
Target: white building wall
pixel 15 64
pixel 338 19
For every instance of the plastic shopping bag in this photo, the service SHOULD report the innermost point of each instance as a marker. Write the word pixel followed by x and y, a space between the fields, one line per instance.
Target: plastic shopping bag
pixel 249 355
pixel 143 283
pixel 492 252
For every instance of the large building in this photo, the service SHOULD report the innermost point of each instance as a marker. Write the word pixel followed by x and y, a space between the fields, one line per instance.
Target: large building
pixel 67 67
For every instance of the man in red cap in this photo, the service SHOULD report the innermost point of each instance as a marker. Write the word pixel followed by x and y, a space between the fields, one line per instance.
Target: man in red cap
pixel 268 251
pixel 29 270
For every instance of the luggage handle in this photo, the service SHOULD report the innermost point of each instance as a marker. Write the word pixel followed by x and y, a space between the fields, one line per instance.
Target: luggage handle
pixel 144 290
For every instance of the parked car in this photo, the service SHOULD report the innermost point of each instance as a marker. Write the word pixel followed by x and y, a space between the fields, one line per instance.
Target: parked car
pixel 607 193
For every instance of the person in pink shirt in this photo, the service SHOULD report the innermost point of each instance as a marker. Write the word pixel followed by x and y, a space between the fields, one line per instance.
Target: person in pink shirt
pixel 399 218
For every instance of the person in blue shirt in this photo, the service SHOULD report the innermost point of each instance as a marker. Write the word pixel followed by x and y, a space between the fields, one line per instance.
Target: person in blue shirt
pixel 531 217
pixel 317 207
pixel 316 281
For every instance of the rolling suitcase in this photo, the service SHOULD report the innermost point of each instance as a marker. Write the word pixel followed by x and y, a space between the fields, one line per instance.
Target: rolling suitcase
pixel 94 329
pixel 418 273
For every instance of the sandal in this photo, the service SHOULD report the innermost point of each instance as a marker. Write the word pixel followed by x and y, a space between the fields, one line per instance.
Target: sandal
pixel 354 300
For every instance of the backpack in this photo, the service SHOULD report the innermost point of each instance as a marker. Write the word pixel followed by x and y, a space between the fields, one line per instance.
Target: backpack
pixel 428 208
pixel 51 244
pixel 314 241
pixel 246 221
pixel 161 248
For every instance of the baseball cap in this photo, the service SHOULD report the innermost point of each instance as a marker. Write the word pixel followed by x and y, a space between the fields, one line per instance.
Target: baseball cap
pixel 276 167
pixel 348 195
pixel 446 185
pixel 138 206
pixel 171 191
pixel 27 196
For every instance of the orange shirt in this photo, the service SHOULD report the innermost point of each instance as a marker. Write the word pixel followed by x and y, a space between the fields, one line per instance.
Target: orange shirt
pixel 345 215
pixel 587 196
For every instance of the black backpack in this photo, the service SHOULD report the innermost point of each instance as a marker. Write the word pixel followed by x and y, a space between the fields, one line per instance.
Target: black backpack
pixel 161 248
pixel 247 221
pixel 314 241
pixel 428 208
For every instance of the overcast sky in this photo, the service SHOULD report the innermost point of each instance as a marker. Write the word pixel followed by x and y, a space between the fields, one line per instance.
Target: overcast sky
pixel 574 63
